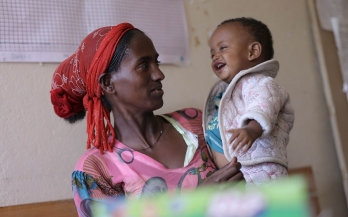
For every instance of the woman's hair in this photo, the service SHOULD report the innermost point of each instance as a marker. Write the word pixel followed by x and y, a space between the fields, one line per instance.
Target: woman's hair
pixel 259 31
pixel 75 87
pixel 114 65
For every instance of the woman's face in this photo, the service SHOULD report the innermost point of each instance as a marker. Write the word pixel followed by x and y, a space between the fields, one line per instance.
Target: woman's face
pixel 137 82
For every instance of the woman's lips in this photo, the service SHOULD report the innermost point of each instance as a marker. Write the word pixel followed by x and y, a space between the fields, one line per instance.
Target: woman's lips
pixel 157 90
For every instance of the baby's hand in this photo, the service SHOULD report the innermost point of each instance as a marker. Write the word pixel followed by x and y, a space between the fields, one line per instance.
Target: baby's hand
pixel 246 136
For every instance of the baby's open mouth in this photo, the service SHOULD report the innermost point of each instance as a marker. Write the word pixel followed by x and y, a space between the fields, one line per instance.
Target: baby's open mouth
pixel 219 66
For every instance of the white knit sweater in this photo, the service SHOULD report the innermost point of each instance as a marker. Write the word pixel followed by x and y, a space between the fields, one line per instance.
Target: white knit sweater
pixel 254 94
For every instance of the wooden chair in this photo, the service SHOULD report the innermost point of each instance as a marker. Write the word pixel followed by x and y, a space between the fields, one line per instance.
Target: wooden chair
pixel 307 173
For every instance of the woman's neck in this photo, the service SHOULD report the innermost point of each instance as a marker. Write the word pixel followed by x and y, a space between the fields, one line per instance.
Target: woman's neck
pixel 137 131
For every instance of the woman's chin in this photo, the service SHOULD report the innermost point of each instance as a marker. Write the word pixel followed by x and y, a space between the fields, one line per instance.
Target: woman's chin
pixel 156 105
pixel 160 105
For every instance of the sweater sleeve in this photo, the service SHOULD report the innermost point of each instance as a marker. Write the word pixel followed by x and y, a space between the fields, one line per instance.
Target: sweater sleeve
pixel 263 99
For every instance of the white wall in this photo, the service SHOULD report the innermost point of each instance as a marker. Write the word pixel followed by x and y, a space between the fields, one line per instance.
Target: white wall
pixel 38 150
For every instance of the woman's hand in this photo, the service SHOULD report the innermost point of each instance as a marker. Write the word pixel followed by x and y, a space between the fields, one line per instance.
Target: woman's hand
pixel 229 173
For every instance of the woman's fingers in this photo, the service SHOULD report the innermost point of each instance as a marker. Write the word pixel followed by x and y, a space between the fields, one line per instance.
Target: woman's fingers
pixel 234 160
pixel 237 177
pixel 234 170
pixel 229 173
pixel 229 170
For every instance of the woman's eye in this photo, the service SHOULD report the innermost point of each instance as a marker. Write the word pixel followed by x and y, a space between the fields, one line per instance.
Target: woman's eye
pixel 158 62
pixel 144 65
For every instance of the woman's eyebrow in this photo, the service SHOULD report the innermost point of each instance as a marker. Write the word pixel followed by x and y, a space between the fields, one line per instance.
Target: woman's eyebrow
pixel 147 58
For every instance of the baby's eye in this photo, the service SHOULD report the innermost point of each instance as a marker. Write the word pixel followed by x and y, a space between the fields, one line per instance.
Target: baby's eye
pixel 223 48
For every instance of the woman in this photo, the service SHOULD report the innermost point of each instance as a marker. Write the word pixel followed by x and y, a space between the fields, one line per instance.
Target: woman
pixel 115 69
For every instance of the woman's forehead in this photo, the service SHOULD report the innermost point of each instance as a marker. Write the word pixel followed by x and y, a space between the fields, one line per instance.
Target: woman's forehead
pixel 141 44
pixel 139 38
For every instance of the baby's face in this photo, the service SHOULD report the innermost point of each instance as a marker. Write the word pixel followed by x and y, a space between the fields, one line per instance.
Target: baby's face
pixel 229 49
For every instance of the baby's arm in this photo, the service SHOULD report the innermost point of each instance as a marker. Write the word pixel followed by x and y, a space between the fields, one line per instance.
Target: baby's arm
pixel 219 159
pixel 245 136
pixel 263 100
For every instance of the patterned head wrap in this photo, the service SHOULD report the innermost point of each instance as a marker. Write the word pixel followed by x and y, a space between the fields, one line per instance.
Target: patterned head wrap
pixel 75 85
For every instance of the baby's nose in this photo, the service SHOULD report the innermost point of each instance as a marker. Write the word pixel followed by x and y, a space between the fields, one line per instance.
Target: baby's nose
pixel 216 57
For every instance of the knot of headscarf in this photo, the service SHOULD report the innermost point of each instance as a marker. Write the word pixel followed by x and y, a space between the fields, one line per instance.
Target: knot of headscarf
pixel 75 85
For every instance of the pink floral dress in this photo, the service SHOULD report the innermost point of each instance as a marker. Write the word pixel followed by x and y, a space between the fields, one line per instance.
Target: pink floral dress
pixel 131 174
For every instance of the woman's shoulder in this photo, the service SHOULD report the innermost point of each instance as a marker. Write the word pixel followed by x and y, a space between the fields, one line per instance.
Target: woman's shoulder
pixel 186 115
pixel 90 155
pixel 189 118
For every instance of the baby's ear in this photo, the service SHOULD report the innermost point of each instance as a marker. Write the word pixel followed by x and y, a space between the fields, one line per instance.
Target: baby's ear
pixel 255 50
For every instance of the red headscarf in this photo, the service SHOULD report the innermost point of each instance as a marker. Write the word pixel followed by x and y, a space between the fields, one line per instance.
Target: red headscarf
pixel 75 85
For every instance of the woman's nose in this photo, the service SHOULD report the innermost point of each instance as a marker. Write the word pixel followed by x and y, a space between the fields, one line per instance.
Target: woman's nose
pixel 158 74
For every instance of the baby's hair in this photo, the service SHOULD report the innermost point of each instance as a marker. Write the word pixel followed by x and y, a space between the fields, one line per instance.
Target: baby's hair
pixel 114 65
pixel 259 31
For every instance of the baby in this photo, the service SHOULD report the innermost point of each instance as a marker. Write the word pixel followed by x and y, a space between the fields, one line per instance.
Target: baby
pixel 247 114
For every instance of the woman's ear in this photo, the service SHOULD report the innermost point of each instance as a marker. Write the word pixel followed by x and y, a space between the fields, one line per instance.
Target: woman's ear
pixel 105 83
pixel 255 50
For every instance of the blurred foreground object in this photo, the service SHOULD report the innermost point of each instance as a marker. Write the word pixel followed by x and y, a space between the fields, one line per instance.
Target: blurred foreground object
pixel 287 198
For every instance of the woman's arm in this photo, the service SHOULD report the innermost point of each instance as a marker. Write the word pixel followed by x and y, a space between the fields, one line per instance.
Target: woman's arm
pixel 88 191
